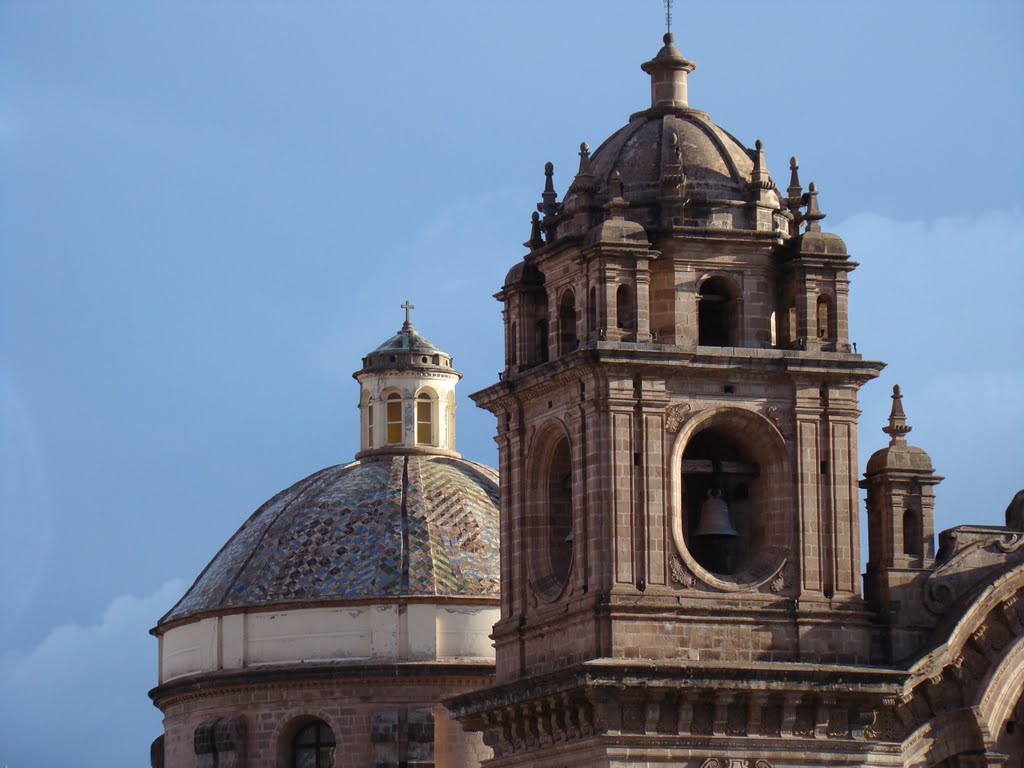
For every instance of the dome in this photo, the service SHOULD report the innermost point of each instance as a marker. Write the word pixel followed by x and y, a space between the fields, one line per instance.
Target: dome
pixel 899 457
pixel 384 527
pixel 714 164
pixel 673 149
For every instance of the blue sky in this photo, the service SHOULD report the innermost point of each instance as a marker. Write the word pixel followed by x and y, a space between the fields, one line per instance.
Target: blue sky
pixel 209 211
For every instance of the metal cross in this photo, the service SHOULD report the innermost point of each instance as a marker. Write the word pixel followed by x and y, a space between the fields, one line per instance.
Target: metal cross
pixel 668 15
pixel 407 306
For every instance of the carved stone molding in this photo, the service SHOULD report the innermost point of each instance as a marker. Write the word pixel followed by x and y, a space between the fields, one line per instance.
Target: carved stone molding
pixel 735 762
pixel 676 415
pixel 680 573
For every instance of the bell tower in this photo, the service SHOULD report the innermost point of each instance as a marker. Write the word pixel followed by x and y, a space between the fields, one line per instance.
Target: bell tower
pixel 677 432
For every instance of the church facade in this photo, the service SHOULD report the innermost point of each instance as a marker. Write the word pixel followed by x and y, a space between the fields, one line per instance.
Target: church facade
pixel 679 580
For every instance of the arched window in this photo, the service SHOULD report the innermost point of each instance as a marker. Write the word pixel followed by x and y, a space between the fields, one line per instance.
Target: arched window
pixel 716 309
pixel 624 309
pixel 567 323
pixel 559 511
pixel 773 330
pixel 513 344
pixel 369 426
pixel 313 746
pixel 540 341
pixel 424 419
pixel 824 318
pixel 394 416
pixel 912 534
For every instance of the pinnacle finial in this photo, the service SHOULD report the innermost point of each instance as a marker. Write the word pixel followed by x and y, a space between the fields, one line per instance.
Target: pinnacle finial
pixel 407 306
pixel 584 158
pixel 536 240
pixel 759 177
pixel 898 427
pixel 668 18
pixel 813 215
pixel 548 198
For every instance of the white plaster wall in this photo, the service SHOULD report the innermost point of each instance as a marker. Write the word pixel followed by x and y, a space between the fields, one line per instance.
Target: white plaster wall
pixel 375 389
pixel 397 632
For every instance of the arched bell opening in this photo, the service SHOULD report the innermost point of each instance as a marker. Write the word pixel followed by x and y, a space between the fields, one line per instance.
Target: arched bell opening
pixel 741 457
pixel 716 313
pixel 723 501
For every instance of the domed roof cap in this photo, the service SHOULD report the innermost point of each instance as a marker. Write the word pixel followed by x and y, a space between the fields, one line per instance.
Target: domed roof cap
pixel 407 350
pixel 382 528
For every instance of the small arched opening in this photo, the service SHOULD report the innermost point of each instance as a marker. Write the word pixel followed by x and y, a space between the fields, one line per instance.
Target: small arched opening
pixel 313 746
pixel 625 310
pixel 824 318
pixel 912 534
pixel 540 341
pixel 393 414
pixel 716 310
pixel 567 323
pixel 592 313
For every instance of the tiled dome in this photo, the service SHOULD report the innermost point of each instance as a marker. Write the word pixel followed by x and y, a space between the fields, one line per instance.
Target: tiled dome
pixel 384 527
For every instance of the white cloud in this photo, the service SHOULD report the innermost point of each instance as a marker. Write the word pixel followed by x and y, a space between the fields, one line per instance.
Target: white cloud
pixel 79 698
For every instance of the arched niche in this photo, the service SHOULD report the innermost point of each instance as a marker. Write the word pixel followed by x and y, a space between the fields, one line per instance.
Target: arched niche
pixel 743 456
pixel 550 509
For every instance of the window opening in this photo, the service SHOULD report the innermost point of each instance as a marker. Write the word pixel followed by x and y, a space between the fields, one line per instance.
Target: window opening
pixel 424 420
pixel 624 309
pixel 369 425
pixel 313 747
pixel 394 417
pixel 715 313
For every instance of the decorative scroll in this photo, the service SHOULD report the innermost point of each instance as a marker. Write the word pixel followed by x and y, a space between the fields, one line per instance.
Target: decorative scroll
pixel 676 415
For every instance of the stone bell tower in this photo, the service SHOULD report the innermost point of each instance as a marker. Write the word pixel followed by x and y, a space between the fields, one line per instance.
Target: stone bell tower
pixel 677 431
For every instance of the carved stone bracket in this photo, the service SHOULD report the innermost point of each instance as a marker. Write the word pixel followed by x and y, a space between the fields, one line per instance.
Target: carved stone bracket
pixel 735 762
pixel 680 573
pixel 676 415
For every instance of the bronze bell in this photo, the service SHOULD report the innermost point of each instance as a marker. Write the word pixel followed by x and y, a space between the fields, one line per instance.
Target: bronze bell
pixel 714 517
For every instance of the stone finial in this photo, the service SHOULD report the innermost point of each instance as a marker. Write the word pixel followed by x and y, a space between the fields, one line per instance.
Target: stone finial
pixel 813 214
pixel 548 205
pixel 584 159
pixel 617 203
pixel 794 191
pixel 1015 512
pixel 668 71
pixel 536 240
pixel 759 177
pixel 898 427
pixel 584 184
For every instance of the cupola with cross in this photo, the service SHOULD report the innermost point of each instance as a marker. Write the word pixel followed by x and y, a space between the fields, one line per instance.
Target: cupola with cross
pixel 407 396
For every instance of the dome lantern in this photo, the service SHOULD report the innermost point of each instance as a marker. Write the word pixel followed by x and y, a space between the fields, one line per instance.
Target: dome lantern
pixel 668 71
pixel 407 396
